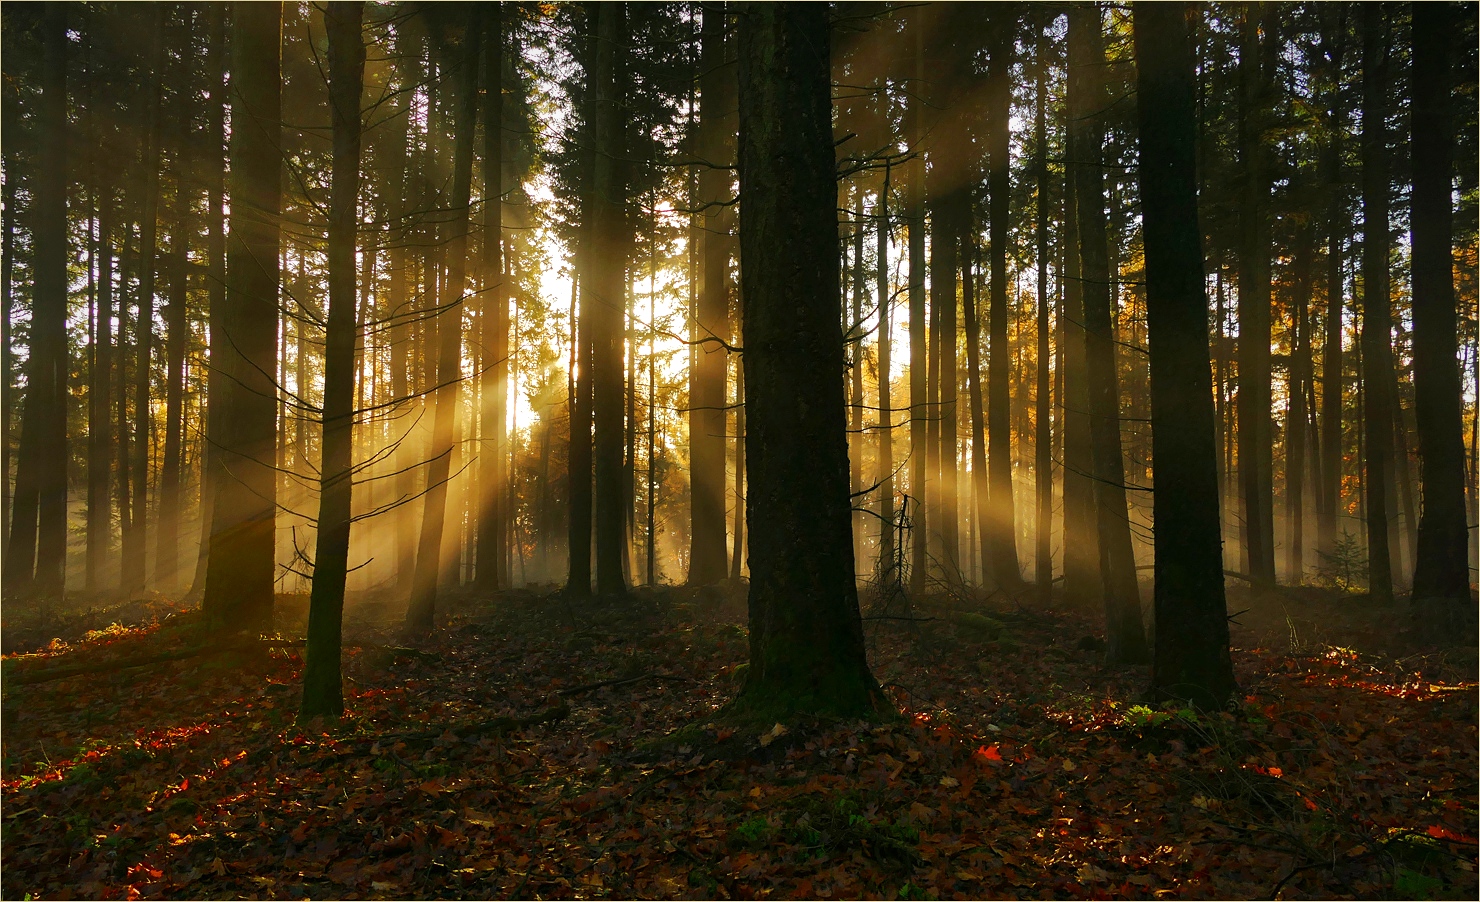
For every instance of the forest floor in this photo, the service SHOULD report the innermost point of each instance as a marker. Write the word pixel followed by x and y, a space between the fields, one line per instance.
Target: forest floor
pixel 525 750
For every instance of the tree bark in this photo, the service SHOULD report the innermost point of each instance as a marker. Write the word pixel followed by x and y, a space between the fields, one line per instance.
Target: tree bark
pixel 1296 416
pixel 1191 659
pixel 322 686
pixel 1255 429
pixel 919 350
pixel 1126 639
pixel 494 321
pixel 707 415
pixel 429 552
pixel 1081 538
pixel 1440 569
pixel 885 434
pixel 981 503
pixel 1376 304
pixel 1332 41
pixel 1001 523
pixel 240 569
pixel 806 638
pixel 38 546
pixel 100 397
pixel 1043 435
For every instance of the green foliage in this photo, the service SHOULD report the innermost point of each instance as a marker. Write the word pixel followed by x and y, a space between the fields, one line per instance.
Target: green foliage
pixel 1345 566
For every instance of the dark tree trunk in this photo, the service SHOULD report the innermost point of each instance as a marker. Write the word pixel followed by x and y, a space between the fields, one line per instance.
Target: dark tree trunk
pixel 605 288
pixel 1126 638
pixel 886 404
pixel 1255 426
pixel 1331 362
pixel 38 549
pixel 100 400
pixel 494 379
pixel 240 569
pixel 919 351
pixel 1081 538
pixel 1440 570
pixel 1001 523
pixel 430 555
pixel 135 536
pixel 707 414
pixel 1296 418
pixel 177 328
pixel 1376 303
pixel 981 506
pixel 7 275
pixel 1043 436
pixel 806 638
pixel 855 377
pixel 322 687
pixel 1191 658
pixel 216 279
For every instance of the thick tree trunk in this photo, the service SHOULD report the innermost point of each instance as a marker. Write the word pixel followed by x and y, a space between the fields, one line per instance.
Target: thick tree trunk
pixel 855 378
pixel 1191 656
pixel 806 638
pixel 981 511
pixel 216 279
pixel 38 549
pixel 1440 569
pixel 1331 353
pixel 430 555
pixel 606 288
pixel 494 322
pixel 941 431
pixel 1125 633
pixel 1001 523
pixel 322 687
pixel 707 414
pixel 240 569
pixel 1081 537
pixel 1376 305
pixel 1255 426
pixel 7 276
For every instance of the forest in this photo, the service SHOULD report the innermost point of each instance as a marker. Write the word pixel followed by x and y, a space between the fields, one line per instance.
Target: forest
pixel 740 450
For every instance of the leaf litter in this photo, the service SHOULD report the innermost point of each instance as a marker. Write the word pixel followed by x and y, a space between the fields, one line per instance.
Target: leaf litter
pixel 534 747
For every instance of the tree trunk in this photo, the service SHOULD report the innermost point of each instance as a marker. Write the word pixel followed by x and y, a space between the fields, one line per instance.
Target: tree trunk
pixel 1191 656
pixel 981 504
pixel 1296 417
pixel 429 552
pixel 919 351
pixel 1001 523
pixel 1440 571
pixel 885 434
pixel 100 401
pixel 38 548
pixel 322 687
pixel 493 321
pixel 855 377
pixel 1081 538
pixel 939 432
pixel 606 287
pixel 136 531
pixel 1255 429
pixel 1126 639
pixel 216 280
pixel 707 414
pixel 1043 435
pixel 240 568
pixel 806 638
pixel 8 113
pixel 1331 362
pixel 1376 304
pixel 177 328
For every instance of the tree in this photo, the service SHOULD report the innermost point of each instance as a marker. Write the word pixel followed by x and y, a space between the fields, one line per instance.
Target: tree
pixel 429 551
pixel 240 569
pixel 1441 569
pixel 37 553
pixel 1255 426
pixel 1126 636
pixel 1191 659
pixel 494 321
pixel 1001 522
pixel 806 637
pixel 322 688
pixel 1042 436
pixel 919 376
pixel 712 311
pixel 1376 304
